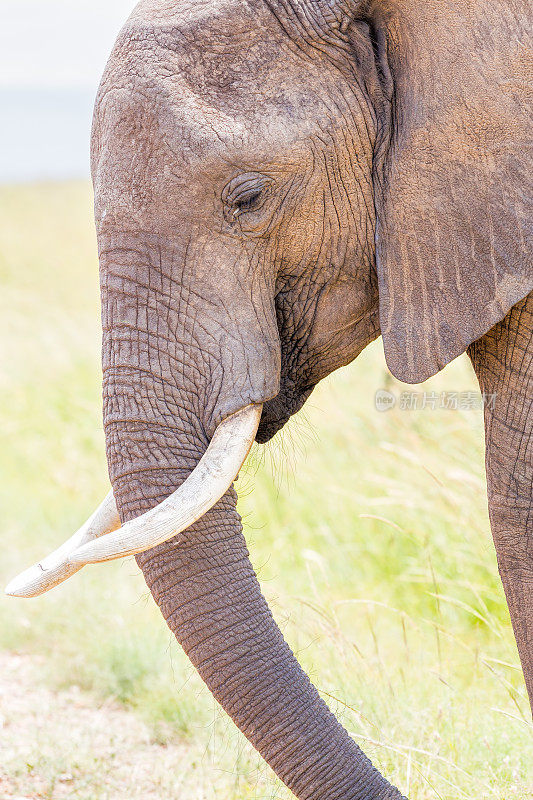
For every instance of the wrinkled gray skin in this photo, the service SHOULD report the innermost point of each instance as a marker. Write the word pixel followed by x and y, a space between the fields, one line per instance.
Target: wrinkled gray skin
pixel 248 156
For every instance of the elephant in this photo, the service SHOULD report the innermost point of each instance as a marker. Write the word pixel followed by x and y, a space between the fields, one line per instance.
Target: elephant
pixel 277 183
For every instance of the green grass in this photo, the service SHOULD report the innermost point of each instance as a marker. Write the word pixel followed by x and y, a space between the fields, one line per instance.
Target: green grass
pixel 368 530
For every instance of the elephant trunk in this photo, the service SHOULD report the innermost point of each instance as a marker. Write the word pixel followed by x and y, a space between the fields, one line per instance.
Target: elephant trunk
pixel 156 431
pixel 503 361
pixel 209 595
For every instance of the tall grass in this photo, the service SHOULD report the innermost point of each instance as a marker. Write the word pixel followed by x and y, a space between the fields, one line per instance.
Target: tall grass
pixel 368 530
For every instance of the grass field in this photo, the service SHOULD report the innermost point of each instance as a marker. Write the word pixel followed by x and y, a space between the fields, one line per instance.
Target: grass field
pixel 368 530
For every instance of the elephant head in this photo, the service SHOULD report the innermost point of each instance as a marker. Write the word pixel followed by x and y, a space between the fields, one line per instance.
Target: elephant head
pixel 277 182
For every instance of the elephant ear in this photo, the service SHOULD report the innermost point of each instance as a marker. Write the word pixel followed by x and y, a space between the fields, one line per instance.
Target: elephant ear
pixel 453 183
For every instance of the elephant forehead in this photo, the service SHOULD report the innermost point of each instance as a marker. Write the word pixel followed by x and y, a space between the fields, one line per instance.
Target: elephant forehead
pixel 213 78
pixel 186 11
pixel 223 30
pixel 217 23
pixel 168 114
pixel 181 132
pixel 232 53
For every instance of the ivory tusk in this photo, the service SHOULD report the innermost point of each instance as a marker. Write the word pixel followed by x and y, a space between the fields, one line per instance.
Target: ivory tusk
pixel 209 481
pixel 57 566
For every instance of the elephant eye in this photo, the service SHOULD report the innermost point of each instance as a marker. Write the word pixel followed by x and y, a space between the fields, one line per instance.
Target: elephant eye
pixel 248 202
pixel 244 194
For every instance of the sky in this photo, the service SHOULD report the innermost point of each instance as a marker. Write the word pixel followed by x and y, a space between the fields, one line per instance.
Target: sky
pixel 52 55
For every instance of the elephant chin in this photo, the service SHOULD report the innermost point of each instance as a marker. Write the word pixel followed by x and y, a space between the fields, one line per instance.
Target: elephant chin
pixel 279 410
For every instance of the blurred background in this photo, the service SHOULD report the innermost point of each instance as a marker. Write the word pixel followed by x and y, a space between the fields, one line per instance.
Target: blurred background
pixel 52 54
pixel 368 528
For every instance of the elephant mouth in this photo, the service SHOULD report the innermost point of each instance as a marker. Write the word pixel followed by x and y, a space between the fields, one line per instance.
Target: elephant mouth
pixel 278 411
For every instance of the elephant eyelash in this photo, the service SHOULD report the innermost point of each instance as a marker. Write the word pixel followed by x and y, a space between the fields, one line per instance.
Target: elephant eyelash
pixel 244 194
pixel 249 202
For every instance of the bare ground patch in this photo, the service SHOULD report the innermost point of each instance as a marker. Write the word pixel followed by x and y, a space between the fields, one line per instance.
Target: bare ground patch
pixel 65 744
